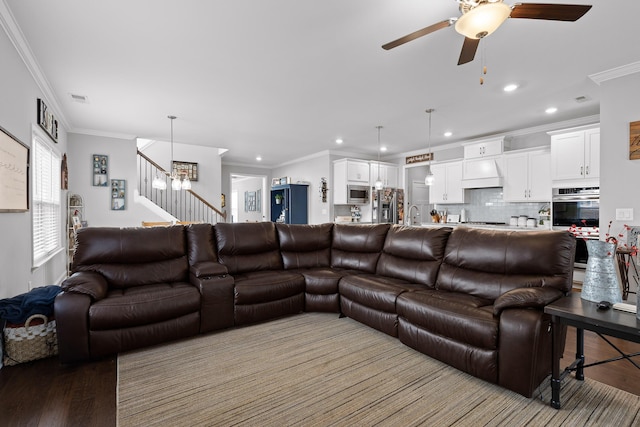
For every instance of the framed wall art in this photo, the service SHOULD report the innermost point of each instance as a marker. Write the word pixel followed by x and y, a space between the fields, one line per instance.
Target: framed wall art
pixel 250 200
pixel 47 121
pixel 118 194
pixel 14 174
pixel 185 169
pixel 100 166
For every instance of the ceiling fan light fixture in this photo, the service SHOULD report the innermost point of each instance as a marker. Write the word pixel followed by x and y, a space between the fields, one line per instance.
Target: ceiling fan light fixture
pixel 482 20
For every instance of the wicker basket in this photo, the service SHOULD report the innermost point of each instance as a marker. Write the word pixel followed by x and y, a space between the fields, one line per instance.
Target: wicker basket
pixel 26 343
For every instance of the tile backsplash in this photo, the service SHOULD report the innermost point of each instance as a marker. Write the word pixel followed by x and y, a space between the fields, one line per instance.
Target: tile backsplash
pixel 487 205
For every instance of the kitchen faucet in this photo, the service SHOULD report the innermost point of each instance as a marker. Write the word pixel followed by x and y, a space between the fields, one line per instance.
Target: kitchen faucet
pixel 412 220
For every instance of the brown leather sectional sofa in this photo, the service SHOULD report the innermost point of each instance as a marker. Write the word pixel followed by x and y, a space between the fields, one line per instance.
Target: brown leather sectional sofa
pixel 471 298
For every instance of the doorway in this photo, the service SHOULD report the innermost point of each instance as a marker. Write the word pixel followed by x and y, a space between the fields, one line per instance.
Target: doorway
pixel 249 198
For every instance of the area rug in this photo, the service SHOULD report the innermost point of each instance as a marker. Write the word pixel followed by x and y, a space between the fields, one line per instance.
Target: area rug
pixel 316 369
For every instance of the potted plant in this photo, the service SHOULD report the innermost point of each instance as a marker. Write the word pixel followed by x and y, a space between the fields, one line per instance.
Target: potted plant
pixel 278 198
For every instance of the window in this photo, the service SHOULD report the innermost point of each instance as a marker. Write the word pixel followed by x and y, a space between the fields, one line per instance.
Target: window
pixel 46 206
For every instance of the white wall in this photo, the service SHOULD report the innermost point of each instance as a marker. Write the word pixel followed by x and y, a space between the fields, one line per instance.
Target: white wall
pixel 19 94
pixel 619 176
pixel 310 170
pixel 97 200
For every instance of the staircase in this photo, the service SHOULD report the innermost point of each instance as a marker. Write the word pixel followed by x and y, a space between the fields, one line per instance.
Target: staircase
pixel 185 205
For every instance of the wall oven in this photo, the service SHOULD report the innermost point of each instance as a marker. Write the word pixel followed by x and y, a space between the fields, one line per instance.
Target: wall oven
pixel 357 194
pixel 580 207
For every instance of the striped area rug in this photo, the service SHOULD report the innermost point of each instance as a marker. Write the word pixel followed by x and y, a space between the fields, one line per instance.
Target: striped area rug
pixel 315 369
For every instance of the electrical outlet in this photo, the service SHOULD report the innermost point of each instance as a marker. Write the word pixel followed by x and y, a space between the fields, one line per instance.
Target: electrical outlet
pixel 624 214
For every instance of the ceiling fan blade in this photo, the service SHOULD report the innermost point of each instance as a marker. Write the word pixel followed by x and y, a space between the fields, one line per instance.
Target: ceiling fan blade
pixel 548 11
pixel 468 52
pixel 419 33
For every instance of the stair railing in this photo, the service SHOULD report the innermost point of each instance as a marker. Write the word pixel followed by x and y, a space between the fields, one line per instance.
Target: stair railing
pixel 186 205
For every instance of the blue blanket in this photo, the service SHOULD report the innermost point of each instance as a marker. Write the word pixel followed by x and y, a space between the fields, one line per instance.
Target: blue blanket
pixel 37 301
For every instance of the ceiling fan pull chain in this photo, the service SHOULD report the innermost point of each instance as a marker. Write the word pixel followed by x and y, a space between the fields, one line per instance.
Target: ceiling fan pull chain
pixel 482 61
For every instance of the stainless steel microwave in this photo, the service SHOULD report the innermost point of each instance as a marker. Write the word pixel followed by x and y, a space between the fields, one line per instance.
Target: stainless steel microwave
pixel 357 194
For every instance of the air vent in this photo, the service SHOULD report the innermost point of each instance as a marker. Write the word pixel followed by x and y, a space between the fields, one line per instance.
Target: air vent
pixel 580 99
pixel 79 98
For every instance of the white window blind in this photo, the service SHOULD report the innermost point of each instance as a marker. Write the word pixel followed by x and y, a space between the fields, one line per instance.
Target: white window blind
pixel 46 207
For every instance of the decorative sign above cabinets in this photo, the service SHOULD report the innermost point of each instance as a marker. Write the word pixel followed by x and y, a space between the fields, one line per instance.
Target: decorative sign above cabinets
pixel 419 158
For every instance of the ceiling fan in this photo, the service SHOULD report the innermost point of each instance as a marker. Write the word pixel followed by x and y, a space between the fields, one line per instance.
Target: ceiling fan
pixel 482 17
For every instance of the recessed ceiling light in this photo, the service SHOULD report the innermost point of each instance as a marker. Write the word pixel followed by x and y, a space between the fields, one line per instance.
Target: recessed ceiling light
pixel 259 158
pixel 339 141
pixel 448 134
pixel 510 87
pixel 383 149
pixel 551 110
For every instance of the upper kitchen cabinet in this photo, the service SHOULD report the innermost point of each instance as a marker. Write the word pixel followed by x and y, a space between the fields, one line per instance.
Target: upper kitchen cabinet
pixel 348 172
pixel 575 157
pixel 527 176
pixel 388 174
pixel 489 147
pixel 351 171
pixel 447 184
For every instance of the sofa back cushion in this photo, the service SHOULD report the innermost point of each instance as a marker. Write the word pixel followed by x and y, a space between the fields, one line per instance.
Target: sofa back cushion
pixel 357 247
pixel 129 257
pixel 413 253
pixel 201 243
pixel 305 246
pixel 248 246
pixel 487 263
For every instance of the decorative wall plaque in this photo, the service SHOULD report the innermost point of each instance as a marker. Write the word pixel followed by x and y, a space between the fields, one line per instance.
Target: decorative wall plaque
pixel 634 140
pixel 47 121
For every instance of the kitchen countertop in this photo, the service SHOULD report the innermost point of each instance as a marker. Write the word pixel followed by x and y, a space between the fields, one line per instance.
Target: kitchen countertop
pixel 484 226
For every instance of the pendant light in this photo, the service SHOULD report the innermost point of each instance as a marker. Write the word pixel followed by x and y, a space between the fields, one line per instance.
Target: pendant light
pixel 378 183
pixel 177 183
pixel 159 182
pixel 428 180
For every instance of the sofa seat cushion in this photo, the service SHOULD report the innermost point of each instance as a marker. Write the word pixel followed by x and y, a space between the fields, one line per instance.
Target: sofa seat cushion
pixel 321 281
pixel 460 317
pixel 143 305
pixel 377 292
pixel 263 286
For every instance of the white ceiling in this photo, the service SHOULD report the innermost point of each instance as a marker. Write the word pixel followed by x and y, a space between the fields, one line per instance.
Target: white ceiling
pixel 284 78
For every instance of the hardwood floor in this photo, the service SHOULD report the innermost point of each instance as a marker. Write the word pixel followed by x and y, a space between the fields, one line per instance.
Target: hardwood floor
pixel 45 393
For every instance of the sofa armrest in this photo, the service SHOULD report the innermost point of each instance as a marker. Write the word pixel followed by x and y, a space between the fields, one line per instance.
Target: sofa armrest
pixel 71 311
pixel 87 283
pixel 208 269
pixel 216 300
pixel 526 298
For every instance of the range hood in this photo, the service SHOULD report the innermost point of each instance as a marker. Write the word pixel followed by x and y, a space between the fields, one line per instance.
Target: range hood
pixel 482 173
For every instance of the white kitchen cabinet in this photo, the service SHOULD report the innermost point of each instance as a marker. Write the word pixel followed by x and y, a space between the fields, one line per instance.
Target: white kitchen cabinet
pixel 345 172
pixel 388 174
pixel 489 147
pixel 527 176
pixel 357 172
pixel 575 156
pixel 447 184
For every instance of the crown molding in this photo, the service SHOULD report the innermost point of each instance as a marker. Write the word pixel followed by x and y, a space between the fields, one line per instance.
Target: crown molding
pixel 615 73
pixel 93 132
pixel 10 26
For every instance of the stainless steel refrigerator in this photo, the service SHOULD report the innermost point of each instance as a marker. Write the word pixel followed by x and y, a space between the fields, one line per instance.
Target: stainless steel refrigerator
pixel 387 205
